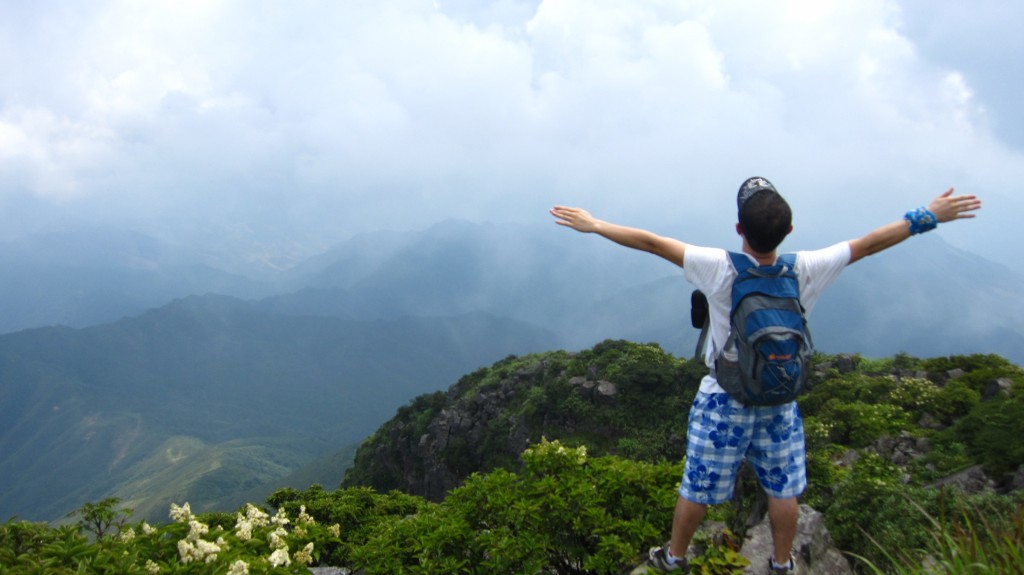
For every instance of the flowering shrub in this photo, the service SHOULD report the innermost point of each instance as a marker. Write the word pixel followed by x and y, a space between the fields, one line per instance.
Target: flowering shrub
pixel 566 513
pixel 914 394
pixel 258 544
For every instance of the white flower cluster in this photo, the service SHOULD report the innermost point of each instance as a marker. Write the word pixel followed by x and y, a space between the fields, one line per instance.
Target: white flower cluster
pixel 305 556
pixel 200 551
pixel 254 517
pixel 914 392
pixel 181 514
pixel 193 547
pixel 278 538
pixel 816 430
pixel 304 518
pixel 279 558
pixel 281 519
pixel 278 542
pixel 302 521
pixel 576 455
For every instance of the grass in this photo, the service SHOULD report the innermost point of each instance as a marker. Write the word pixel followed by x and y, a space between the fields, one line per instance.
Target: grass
pixel 970 540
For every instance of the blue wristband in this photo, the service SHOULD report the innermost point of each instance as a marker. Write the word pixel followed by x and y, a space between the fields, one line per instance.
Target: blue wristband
pixel 921 220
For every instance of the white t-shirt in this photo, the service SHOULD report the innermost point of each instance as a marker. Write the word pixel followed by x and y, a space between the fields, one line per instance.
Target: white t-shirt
pixel 711 272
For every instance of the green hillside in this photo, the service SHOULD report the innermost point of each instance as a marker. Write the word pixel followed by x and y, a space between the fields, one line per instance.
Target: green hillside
pixel 631 400
pixel 212 395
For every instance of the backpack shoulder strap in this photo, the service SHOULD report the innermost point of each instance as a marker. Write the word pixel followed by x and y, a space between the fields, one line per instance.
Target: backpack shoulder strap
pixel 789 260
pixel 740 262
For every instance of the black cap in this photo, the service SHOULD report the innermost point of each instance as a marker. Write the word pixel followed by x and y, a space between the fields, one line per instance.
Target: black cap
pixel 752 186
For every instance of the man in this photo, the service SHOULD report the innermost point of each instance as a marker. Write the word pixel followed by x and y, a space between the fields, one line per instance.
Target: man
pixel 722 431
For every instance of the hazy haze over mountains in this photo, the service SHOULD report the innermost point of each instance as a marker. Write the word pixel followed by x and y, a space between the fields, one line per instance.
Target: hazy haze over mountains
pixel 211 396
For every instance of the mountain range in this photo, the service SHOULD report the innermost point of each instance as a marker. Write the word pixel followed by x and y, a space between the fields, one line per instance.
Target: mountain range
pixel 170 379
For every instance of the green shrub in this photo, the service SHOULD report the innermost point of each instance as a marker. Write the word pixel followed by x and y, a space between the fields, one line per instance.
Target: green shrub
pixel 966 535
pixel 946 457
pixel 823 475
pixel 357 512
pixel 917 396
pixel 869 512
pixel 954 400
pixel 859 424
pixel 565 513
pixel 996 428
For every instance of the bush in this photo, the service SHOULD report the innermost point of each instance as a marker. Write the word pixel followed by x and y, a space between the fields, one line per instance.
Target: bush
pixel 565 513
pixel 859 424
pixel 966 535
pixel 357 512
pixel 870 513
pixel 953 401
pixel 994 430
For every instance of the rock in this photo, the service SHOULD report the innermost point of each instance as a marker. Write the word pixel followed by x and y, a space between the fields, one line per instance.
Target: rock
pixel 813 548
pixel 901 449
pixel 1002 387
pixel 1016 480
pixel 970 480
pixel 954 374
pixel 606 392
pixel 848 459
pixel 929 421
pixel 846 363
pixel 328 571
pixel 843 363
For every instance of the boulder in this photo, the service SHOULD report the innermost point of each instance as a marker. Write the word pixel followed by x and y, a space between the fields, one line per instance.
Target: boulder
pixel 997 388
pixel 1016 480
pixel 813 548
pixel 970 480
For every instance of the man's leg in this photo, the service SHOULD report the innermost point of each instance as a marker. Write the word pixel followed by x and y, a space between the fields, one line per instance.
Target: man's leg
pixel 783 514
pixel 716 440
pixel 685 521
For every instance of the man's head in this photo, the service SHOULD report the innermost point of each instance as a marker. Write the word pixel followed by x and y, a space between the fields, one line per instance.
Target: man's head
pixel 764 216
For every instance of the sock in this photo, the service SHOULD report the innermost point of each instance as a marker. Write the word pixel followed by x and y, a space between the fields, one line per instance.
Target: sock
pixel 788 565
pixel 670 557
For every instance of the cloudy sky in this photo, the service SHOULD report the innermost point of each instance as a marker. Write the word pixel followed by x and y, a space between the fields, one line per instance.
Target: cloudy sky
pixel 316 120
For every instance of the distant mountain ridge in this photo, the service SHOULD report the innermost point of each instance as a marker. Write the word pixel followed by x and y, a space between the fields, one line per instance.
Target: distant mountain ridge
pixel 922 297
pixel 243 391
pixel 84 277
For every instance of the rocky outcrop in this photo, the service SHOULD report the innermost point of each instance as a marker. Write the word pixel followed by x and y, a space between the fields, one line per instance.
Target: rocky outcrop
pixel 813 549
pixel 970 480
pixel 475 427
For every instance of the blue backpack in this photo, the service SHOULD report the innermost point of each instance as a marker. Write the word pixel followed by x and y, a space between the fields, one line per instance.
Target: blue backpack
pixel 766 358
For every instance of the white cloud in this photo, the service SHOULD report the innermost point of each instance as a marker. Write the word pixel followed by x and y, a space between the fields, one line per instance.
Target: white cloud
pixel 338 112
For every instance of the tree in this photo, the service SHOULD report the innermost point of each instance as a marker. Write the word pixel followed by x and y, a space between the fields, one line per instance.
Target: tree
pixel 98 518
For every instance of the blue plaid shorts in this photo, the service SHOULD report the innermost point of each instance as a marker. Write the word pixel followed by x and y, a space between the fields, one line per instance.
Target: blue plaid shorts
pixel 722 432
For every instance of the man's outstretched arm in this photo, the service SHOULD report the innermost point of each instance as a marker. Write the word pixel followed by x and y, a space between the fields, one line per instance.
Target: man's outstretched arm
pixel 581 221
pixel 946 208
